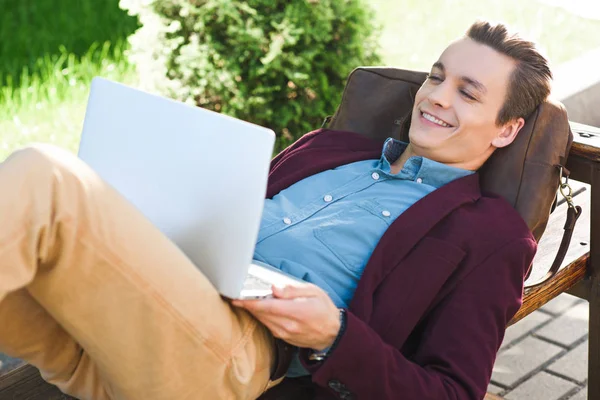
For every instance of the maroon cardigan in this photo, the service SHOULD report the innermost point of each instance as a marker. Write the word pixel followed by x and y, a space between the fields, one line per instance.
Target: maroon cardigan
pixel 430 310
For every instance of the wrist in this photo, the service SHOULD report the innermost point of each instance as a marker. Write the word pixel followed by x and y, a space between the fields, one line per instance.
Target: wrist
pixel 321 355
pixel 333 331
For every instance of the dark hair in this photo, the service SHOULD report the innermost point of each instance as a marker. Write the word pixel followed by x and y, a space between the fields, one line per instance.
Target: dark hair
pixel 529 84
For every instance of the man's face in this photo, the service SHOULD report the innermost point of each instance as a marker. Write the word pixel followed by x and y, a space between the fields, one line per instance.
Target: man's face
pixel 455 111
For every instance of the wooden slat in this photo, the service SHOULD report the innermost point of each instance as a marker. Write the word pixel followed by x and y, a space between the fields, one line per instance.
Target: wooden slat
pixel 563 281
pixel 582 289
pixel 574 267
pixel 586 141
pixel 25 382
pixel 580 242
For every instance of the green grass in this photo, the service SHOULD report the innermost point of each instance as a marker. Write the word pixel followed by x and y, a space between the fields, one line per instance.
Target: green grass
pixel 49 51
pixel 48 106
pixel 34 30
pixel 52 60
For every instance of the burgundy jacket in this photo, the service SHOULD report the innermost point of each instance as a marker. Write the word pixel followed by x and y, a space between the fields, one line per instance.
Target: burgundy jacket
pixel 430 310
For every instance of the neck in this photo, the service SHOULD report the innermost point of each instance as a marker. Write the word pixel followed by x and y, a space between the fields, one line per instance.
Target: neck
pixel 399 163
pixel 472 165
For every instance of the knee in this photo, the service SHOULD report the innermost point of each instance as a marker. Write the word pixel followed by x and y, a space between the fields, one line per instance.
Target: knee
pixel 39 157
pixel 38 153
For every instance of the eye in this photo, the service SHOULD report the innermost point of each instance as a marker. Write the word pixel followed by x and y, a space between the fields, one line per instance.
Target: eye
pixel 434 78
pixel 467 95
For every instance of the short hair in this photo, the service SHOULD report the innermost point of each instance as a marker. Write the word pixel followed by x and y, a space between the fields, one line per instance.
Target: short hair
pixel 529 84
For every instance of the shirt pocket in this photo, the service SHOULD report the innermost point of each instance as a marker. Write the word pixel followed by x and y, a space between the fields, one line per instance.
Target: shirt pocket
pixel 352 234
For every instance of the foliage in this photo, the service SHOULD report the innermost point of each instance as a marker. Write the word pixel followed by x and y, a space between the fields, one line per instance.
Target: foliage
pixel 277 63
pixel 34 33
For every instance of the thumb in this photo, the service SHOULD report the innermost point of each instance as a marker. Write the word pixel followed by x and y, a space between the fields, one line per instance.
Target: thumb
pixel 294 291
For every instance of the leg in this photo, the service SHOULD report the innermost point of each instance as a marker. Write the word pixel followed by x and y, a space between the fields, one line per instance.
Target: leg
pixel 594 341
pixel 594 295
pixel 149 322
pixel 30 333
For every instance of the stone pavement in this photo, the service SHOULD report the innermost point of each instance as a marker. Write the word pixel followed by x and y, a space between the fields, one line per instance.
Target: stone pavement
pixel 544 356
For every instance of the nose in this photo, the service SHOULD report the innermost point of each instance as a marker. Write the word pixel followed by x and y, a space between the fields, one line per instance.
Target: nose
pixel 440 95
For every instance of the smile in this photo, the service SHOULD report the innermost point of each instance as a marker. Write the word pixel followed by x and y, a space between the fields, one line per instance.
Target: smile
pixel 435 120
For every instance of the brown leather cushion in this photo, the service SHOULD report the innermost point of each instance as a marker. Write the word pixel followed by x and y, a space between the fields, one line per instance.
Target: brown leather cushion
pixel 377 103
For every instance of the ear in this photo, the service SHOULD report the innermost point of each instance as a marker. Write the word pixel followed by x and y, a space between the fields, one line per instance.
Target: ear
pixel 508 133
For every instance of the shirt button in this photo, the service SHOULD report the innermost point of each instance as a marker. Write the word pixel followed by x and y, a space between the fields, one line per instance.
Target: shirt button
pixel 328 198
pixel 375 175
pixel 386 213
pixel 287 221
pixel 419 180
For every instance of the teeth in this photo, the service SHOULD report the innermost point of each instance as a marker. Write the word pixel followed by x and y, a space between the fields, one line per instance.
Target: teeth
pixel 433 119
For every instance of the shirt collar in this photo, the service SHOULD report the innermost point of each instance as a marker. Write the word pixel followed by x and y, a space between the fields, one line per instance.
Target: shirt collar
pixel 417 168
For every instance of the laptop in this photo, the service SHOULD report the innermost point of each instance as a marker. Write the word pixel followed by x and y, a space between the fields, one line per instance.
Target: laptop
pixel 199 176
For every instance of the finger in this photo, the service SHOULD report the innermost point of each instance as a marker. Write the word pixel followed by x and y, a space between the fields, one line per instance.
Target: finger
pixel 293 291
pixel 242 303
pixel 275 323
pixel 281 327
pixel 254 304
pixel 266 306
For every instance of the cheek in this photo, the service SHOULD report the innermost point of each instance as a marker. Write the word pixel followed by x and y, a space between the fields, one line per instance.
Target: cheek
pixel 475 123
pixel 420 95
pixel 473 139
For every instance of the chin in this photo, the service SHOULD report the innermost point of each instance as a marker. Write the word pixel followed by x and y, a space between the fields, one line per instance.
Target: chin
pixel 423 140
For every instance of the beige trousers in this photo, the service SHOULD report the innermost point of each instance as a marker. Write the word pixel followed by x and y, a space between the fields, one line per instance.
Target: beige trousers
pixel 104 304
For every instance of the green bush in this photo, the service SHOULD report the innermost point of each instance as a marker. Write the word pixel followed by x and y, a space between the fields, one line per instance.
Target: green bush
pixel 277 63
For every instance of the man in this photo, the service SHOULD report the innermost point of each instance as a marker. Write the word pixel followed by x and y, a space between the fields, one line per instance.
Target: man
pixel 415 273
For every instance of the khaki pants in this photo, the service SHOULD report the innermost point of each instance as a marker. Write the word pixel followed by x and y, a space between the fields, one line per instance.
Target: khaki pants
pixel 104 304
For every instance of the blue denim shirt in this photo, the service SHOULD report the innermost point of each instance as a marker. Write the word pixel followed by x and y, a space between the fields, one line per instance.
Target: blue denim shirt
pixel 324 228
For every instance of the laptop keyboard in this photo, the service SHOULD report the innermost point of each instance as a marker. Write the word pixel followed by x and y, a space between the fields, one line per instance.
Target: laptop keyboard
pixel 253 282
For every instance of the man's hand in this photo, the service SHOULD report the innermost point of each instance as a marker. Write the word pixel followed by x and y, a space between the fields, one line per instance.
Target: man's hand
pixel 302 315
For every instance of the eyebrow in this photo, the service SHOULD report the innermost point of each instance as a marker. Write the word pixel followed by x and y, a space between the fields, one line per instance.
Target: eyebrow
pixel 475 83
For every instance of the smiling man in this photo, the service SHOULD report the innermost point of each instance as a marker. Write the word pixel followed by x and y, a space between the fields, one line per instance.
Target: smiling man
pixel 427 269
pixel 468 95
pixel 412 273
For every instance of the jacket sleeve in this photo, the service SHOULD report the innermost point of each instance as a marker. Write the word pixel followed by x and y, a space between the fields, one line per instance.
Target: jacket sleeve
pixel 279 158
pixel 457 348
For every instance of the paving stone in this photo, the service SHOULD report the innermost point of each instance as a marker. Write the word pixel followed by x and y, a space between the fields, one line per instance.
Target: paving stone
pixel 560 303
pixel 581 395
pixel 541 386
pixel 7 363
pixel 569 327
pixel 574 364
pixel 494 389
pixel 514 363
pixel 524 326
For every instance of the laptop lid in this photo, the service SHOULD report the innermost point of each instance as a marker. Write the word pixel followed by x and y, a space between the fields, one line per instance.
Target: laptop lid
pixel 197 175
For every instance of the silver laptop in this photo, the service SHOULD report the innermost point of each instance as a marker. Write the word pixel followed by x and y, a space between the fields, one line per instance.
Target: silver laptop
pixel 199 176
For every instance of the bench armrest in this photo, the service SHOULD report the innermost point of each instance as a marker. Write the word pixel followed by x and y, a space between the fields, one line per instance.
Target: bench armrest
pixel 586 141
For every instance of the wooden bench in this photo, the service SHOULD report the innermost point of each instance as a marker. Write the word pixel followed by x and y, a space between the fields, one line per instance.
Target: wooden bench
pixel 579 275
